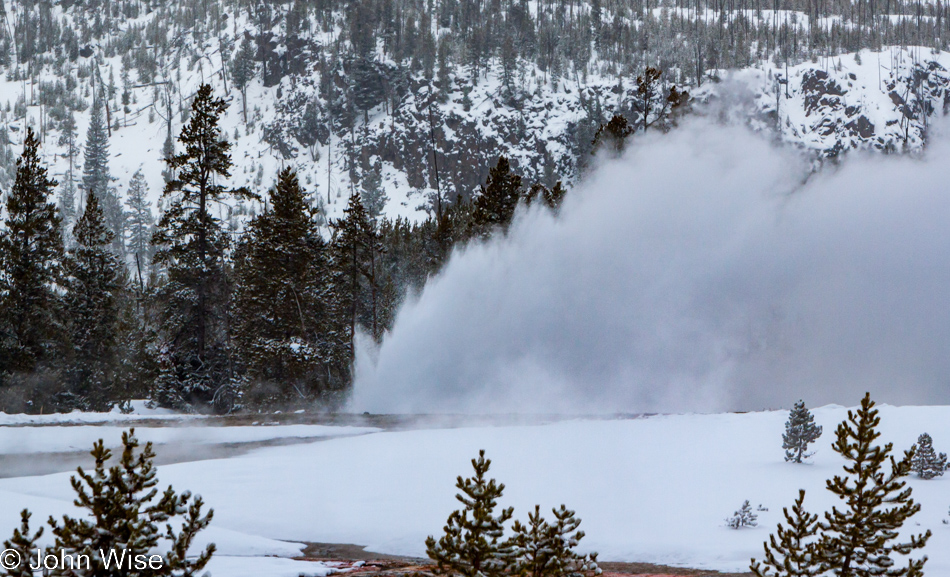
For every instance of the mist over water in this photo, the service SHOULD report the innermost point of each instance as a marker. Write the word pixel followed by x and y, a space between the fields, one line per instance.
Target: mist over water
pixel 700 272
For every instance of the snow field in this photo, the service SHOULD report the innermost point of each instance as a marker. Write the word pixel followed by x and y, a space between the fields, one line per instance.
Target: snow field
pixel 27 440
pixel 655 489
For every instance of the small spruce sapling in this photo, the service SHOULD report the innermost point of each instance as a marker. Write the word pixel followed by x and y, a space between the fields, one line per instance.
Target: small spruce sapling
pixel 790 552
pixel 123 514
pixel 23 544
pixel 545 550
pixel 472 545
pixel 744 517
pixel 800 430
pixel 926 463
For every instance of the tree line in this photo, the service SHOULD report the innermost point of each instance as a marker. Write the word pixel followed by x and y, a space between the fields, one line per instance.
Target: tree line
pixel 194 315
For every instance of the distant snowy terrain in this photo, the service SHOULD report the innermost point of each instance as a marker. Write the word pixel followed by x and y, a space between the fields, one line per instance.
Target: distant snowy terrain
pixel 654 489
pixel 850 101
pixel 53 439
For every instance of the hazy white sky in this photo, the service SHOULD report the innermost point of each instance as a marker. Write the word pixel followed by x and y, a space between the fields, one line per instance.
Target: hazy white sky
pixel 702 272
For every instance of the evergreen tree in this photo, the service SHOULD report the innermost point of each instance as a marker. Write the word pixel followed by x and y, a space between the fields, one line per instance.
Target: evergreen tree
pixel 744 517
pixel 95 172
pixel 31 253
pixel 93 280
pixel 373 195
pixel 67 194
pixel 495 206
pixel 67 206
pixel 242 73
pixel 926 462
pixel 97 179
pixel 192 245
pixel 355 251
pixel 68 140
pixel 123 515
pixel 140 219
pixel 553 197
pixel 613 135
pixel 857 541
pixel 279 316
pixel 790 552
pixel 545 550
pixel 168 151
pixel 24 544
pixel 800 430
pixel 473 544
pixel 647 90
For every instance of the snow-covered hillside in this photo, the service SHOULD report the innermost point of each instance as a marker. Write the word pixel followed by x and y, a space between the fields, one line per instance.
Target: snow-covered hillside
pixel 654 489
pixel 545 123
pixel 866 100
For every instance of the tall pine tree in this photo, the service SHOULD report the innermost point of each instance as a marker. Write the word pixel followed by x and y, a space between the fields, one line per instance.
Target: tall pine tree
pixel 31 254
pixel 140 221
pixel 93 281
pixel 279 316
pixel 354 282
pixel 97 179
pixel 192 246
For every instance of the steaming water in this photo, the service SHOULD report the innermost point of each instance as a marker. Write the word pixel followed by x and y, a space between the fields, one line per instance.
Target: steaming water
pixel 701 272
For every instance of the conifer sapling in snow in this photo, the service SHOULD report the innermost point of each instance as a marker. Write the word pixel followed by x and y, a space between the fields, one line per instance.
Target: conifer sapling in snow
pixel 926 463
pixel 23 544
pixel 858 539
pixel 790 552
pixel 545 550
pixel 800 430
pixel 123 515
pixel 473 544
pixel 744 517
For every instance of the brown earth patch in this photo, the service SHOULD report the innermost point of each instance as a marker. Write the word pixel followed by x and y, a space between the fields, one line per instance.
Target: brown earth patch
pixel 355 559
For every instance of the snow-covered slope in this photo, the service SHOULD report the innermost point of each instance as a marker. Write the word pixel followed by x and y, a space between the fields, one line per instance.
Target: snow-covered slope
pixel 867 100
pixel 650 489
pixel 544 123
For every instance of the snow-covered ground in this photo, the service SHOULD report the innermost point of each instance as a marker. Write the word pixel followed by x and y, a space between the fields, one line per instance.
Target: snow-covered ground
pixel 654 489
pixel 54 439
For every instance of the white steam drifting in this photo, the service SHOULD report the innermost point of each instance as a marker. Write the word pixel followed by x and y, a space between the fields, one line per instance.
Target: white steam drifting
pixel 699 272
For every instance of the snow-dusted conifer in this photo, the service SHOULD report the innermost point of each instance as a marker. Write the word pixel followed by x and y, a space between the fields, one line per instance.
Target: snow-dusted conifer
pixel 93 281
pixel 858 540
pixel 140 218
pixel 23 543
pixel 95 169
pixel 495 205
pixel 790 552
pixel 31 253
pixel 744 517
pixel 278 304
pixel 926 462
pixel 473 544
pixel 373 194
pixel 123 514
pixel 193 246
pixel 546 550
pixel 800 430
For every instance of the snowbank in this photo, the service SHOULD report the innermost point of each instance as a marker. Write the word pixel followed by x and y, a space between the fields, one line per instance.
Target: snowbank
pixel 653 489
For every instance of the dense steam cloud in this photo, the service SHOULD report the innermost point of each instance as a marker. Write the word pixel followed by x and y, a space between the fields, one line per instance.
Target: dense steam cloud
pixel 702 271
